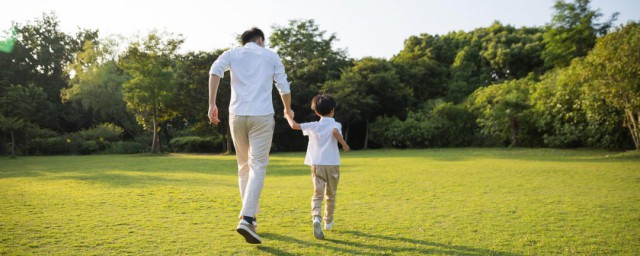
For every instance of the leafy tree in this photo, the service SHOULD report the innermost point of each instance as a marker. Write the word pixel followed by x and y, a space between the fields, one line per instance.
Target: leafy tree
pixel 614 71
pixel 310 61
pixel 502 109
pixel 40 54
pixel 191 96
pixel 97 85
pixel 572 32
pixel 150 63
pixel 20 107
pixel 369 89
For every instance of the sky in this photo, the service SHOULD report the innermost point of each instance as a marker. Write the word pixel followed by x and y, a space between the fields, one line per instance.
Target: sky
pixel 374 28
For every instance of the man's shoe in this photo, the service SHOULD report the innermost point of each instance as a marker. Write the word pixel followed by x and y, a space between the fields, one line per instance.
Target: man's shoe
pixel 249 232
pixel 317 228
pixel 328 226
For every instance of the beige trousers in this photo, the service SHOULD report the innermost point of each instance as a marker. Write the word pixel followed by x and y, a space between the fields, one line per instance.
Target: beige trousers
pixel 252 137
pixel 325 184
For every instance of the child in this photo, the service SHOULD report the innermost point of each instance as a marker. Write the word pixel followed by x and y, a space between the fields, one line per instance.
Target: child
pixel 323 157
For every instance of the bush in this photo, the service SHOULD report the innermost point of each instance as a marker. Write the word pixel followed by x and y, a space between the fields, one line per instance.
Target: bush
pixel 195 144
pixel 125 147
pixel 102 132
pixel 52 146
pixel 88 147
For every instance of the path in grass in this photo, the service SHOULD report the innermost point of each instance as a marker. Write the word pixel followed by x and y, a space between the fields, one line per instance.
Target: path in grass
pixel 447 202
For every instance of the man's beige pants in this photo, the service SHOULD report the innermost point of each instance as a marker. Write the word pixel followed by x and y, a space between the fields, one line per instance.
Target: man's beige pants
pixel 325 184
pixel 252 137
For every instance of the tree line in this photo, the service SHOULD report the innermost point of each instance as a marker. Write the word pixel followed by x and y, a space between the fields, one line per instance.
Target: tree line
pixel 572 83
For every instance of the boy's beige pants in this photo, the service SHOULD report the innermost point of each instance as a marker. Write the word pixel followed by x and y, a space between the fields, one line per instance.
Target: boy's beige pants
pixel 325 184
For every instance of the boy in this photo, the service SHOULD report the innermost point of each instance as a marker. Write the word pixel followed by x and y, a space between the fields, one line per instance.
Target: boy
pixel 323 157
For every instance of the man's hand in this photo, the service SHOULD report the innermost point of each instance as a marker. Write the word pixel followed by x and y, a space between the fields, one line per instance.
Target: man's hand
pixel 289 113
pixel 345 147
pixel 213 114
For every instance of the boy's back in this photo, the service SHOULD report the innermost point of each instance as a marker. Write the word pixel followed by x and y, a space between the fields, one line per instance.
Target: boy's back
pixel 323 146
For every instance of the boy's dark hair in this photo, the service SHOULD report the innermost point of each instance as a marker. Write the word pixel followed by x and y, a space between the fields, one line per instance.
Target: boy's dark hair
pixel 323 104
pixel 252 35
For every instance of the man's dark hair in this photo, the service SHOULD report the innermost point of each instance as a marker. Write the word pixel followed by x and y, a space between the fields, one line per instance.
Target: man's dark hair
pixel 323 104
pixel 252 35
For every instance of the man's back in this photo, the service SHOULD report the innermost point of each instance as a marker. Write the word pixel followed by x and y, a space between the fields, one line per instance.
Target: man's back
pixel 253 70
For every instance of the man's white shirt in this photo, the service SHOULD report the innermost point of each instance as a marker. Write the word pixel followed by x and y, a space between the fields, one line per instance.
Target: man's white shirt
pixel 253 71
pixel 323 147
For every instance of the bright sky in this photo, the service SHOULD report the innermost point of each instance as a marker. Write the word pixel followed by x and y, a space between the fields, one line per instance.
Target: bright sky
pixel 365 28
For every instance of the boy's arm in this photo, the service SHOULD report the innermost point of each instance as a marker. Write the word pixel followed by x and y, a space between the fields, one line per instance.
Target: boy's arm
pixel 338 137
pixel 292 123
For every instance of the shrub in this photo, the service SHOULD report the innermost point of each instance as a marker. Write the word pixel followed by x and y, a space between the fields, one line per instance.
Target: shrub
pixel 125 147
pixel 197 144
pixel 88 147
pixel 52 146
pixel 102 132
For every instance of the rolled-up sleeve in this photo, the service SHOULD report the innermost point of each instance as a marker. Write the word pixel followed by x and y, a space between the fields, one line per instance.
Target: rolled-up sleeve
pixel 221 65
pixel 280 77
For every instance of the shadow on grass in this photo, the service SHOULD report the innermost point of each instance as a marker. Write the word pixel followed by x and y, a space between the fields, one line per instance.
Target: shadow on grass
pixel 373 247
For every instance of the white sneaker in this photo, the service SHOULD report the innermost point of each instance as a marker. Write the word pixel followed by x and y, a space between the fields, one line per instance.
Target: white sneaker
pixel 317 228
pixel 328 226
pixel 248 231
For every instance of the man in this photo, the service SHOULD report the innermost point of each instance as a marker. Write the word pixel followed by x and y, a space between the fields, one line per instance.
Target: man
pixel 253 71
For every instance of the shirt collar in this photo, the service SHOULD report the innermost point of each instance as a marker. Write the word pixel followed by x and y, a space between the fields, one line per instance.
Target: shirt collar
pixel 251 45
pixel 326 119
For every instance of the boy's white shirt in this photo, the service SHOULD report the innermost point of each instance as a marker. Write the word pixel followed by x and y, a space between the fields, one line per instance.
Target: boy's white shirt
pixel 323 147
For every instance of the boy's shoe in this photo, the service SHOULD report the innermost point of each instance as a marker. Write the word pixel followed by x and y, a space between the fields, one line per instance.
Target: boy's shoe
pixel 328 226
pixel 249 232
pixel 317 228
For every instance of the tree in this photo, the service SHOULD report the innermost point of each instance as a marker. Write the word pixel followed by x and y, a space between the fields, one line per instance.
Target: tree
pixel 150 64
pixel 501 109
pixel 191 97
pixel 20 107
pixel 310 61
pixel 572 32
pixel 97 85
pixel 614 70
pixel 369 89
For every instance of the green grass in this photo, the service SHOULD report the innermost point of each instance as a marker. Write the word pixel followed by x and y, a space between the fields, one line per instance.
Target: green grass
pixel 404 202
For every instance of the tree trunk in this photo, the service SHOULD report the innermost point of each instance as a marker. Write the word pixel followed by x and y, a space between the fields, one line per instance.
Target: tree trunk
pixel 633 123
pixel 514 132
pixel 366 135
pixel 155 144
pixel 13 145
pixel 346 134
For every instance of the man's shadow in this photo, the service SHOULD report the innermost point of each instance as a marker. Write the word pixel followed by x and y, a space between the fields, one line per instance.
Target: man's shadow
pixel 374 247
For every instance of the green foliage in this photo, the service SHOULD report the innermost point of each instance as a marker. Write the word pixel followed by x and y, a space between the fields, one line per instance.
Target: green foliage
pixel 102 132
pixel 125 147
pixel 97 85
pixel 613 67
pixel 572 32
pixel 197 144
pixel 310 60
pixel 503 109
pixel 443 125
pixel 52 146
pixel 150 64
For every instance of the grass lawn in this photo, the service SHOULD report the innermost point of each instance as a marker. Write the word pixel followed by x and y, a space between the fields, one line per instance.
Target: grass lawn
pixel 400 202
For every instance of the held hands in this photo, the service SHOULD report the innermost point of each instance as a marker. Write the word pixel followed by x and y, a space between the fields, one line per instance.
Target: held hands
pixel 288 114
pixel 213 114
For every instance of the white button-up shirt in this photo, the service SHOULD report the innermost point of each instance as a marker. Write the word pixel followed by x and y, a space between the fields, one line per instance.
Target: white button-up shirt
pixel 253 70
pixel 323 147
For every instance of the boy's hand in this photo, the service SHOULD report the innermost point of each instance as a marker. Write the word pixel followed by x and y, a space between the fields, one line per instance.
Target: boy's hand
pixel 346 148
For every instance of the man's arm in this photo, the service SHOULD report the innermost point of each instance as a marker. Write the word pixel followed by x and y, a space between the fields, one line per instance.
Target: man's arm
pixel 214 81
pixel 338 136
pixel 286 102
